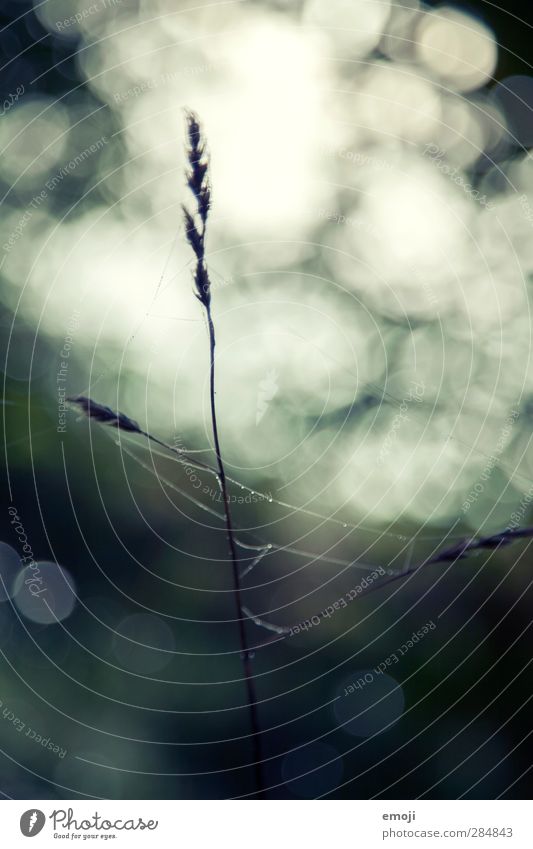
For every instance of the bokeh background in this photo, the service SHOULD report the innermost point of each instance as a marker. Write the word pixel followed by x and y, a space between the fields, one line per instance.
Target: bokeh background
pixel 370 247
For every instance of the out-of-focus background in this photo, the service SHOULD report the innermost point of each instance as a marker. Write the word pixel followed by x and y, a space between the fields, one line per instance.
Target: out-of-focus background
pixel 370 248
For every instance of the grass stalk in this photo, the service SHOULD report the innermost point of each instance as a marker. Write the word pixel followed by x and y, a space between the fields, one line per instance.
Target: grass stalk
pixel 195 225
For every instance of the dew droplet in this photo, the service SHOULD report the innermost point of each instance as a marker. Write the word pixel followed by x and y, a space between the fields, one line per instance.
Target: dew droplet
pixel 249 655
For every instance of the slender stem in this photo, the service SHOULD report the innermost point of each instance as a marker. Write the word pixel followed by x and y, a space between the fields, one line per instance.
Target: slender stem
pixel 195 229
pixel 245 652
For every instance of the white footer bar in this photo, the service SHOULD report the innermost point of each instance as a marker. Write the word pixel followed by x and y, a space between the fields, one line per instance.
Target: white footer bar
pixel 268 824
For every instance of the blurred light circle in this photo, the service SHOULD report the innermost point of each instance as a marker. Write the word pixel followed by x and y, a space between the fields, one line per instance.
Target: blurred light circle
pixel 457 48
pixel 355 25
pixel 9 569
pixel 398 41
pixel 143 643
pixel 33 138
pixel 391 96
pixel 307 772
pixel 45 593
pixel 464 135
pixel 414 220
pixel 272 106
pixel 515 95
pixel 371 708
